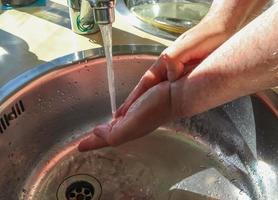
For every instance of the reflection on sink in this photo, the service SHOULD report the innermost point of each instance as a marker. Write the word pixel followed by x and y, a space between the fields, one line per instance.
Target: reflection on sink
pixel 227 153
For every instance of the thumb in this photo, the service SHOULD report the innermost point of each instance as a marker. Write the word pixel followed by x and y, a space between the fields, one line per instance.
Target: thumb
pixel 175 68
pixel 91 142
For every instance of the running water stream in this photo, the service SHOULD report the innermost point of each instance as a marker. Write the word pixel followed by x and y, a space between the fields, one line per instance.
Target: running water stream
pixel 106 32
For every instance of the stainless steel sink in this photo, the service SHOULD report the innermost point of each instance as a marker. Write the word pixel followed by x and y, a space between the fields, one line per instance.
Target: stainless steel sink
pixel 227 153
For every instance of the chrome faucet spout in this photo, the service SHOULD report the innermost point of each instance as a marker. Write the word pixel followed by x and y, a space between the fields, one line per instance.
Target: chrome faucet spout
pixel 104 11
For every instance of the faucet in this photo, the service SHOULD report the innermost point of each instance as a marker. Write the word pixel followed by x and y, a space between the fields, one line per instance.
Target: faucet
pixel 87 15
pixel 104 11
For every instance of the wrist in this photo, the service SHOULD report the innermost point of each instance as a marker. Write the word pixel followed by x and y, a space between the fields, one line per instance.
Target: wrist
pixel 232 15
pixel 219 25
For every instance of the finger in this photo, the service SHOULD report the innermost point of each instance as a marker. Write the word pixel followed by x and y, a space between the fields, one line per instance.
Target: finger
pixel 91 142
pixel 156 74
pixel 175 69
pixel 150 111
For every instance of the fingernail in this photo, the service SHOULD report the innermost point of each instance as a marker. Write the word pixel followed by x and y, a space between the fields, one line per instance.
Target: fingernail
pixel 83 146
pixel 97 131
pixel 101 131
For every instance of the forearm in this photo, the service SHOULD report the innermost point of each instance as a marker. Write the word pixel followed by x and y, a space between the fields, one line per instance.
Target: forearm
pixel 233 14
pixel 246 63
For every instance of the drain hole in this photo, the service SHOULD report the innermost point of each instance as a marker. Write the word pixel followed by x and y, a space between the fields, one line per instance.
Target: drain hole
pixel 72 195
pixel 79 187
pixel 80 190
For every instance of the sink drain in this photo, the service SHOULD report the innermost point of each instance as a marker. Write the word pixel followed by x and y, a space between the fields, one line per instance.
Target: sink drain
pixel 79 187
pixel 80 190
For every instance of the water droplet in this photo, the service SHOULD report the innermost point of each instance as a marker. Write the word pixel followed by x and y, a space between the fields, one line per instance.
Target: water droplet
pixel 218 180
pixel 202 167
pixel 241 192
pixel 209 154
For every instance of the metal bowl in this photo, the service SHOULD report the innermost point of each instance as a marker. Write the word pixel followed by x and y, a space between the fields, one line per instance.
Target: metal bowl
pixel 166 19
pixel 227 153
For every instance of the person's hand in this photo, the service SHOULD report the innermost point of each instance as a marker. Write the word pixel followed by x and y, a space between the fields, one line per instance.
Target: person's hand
pixel 222 21
pixel 151 98
pixel 168 90
pixel 181 57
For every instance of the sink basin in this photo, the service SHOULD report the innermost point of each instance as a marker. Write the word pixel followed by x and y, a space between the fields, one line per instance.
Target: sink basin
pixel 227 153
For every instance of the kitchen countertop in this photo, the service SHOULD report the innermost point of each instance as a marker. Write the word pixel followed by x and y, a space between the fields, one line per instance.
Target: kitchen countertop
pixel 30 36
